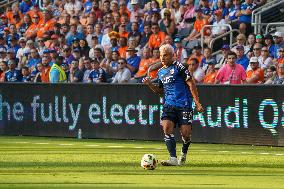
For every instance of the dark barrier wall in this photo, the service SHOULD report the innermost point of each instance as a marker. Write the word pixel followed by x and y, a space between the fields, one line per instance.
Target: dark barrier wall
pixel 233 114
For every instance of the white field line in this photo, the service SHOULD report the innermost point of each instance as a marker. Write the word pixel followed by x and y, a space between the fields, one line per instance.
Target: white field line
pixel 115 146
pixel 42 143
pixel 92 145
pixel 66 144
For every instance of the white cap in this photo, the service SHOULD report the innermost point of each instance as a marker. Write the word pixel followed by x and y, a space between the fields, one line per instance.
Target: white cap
pixel 279 34
pixel 3 49
pixel 134 2
pixel 253 59
pixel 22 39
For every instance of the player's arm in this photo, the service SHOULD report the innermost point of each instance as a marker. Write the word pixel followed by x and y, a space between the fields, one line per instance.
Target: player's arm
pixel 192 86
pixel 155 88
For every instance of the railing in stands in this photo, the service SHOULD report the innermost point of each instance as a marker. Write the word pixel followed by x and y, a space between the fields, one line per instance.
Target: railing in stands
pixel 211 26
pixel 5 3
pixel 273 24
pixel 223 35
pixel 257 22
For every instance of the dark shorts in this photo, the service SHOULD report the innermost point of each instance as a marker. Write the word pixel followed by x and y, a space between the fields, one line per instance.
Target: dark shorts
pixel 180 116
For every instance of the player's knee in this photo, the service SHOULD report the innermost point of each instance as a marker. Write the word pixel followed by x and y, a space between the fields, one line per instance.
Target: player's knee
pixel 186 139
pixel 167 131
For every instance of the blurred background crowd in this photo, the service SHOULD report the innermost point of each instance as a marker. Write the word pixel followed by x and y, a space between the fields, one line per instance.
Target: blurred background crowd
pixel 117 41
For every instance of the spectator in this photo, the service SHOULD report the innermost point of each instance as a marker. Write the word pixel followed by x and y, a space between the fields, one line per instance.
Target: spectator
pixel 123 74
pixel 241 57
pixel 196 53
pixel 168 25
pixel 218 28
pixel 279 78
pixel 233 10
pixel 270 75
pixel 241 41
pixel 207 56
pixel 157 37
pixel 231 73
pixel 46 25
pixel 113 39
pixel 265 61
pixel 45 69
pixel 34 59
pixel 143 66
pixel 222 59
pixel 76 75
pixel 259 39
pixel 180 52
pixel 268 41
pixel 122 47
pixel 3 54
pixel 245 16
pixel 37 73
pixel 195 34
pixel 26 74
pixel 97 75
pixel 86 68
pixel 257 50
pixel 133 61
pixel 279 42
pixel 4 69
pixel 57 74
pixel 146 34
pixel 195 70
pixel 280 58
pixel 210 76
pixel 256 74
pixel 250 44
pixel 73 7
pixel 13 74
pixel 31 32
pixel 188 19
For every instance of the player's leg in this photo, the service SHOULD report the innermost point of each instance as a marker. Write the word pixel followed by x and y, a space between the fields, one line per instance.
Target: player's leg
pixel 168 127
pixel 185 131
pixel 185 122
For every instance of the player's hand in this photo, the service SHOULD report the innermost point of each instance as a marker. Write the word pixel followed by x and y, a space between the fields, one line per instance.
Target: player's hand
pixel 199 107
pixel 146 80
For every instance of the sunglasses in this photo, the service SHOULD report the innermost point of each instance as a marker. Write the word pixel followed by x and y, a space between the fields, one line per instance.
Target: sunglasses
pixel 35 17
pixel 256 49
pixel 281 50
pixel 120 63
pixel 264 50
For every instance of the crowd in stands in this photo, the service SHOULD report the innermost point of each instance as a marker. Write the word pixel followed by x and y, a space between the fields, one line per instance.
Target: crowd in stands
pixel 117 41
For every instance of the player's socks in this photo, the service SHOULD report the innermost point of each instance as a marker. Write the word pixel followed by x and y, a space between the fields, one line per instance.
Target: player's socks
pixel 171 144
pixel 185 145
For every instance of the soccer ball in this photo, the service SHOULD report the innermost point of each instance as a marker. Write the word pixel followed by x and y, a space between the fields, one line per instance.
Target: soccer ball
pixel 149 162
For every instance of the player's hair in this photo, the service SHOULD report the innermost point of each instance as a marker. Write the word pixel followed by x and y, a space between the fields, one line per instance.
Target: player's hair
pixel 168 48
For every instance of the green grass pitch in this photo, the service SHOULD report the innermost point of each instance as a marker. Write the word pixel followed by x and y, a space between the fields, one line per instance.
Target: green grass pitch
pixel 42 162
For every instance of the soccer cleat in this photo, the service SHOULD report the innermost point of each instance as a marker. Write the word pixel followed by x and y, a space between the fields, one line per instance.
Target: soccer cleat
pixel 182 159
pixel 173 161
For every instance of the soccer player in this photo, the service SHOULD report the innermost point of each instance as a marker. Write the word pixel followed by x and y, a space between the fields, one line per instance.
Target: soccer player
pixel 179 89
